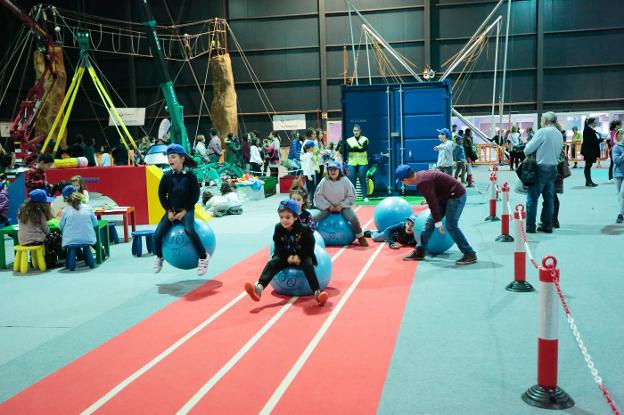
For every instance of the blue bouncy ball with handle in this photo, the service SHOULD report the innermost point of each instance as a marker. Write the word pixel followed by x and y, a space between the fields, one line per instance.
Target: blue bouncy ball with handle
pixel 292 280
pixel 178 250
pixel 391 211
pixel 335 230
pixel 438 243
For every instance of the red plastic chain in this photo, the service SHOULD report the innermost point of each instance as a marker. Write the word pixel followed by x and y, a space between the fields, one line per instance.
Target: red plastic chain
pixel 526 244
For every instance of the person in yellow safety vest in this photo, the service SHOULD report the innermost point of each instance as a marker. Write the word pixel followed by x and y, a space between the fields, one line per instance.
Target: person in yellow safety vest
pixel 357 159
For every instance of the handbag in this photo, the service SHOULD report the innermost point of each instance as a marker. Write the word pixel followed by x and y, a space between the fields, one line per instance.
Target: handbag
pixel 527 170
pixel 564 168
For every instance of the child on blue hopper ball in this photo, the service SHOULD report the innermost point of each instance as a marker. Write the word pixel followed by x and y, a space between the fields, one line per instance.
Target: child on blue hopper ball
pixel 299 194
pixel 178 192
pixel 294 247
pixel 400 234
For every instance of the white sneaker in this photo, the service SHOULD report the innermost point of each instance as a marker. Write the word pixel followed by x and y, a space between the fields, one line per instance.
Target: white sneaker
pixel 366 199
pixel 158 263
pixel 202 266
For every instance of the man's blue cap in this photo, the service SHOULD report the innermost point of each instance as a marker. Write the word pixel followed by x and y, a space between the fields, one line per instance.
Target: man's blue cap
pixel 290 205
pixel 333 165
pixel 412 218
pixel 176 149
pixel 309 143
pixel 68 190
pixel 402 172
pixel 459 138
pixel 40 196
pixel 446 132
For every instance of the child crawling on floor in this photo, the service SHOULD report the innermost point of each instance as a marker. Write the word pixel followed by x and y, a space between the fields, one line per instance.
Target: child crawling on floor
pixel 401 234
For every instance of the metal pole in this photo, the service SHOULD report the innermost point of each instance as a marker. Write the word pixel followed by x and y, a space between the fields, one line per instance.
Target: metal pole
pixel 470 49
pixel 389 142
pixel 401 123
pixel 505 61
pixel 473 127
pixel 353 46
pixel 370 80
pixel 489 16
pixel 495 70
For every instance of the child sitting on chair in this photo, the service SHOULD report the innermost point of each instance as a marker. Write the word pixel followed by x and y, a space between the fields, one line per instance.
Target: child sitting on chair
pixel 77 220
pixel 32 219
pixel 299 194
pixel 178 192
pixel 294 247
pixel 401 234
pixel 336 194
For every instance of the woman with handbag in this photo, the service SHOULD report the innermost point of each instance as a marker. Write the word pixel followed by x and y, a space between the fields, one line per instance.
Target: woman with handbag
pixel 590 149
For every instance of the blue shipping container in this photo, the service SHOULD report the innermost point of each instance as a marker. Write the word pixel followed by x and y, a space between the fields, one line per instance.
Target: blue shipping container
pixel 400 121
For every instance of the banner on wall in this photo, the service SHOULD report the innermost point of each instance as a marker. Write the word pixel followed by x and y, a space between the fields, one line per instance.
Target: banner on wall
pixel 289 122
pixel 5 129
pixel 130 116
pixel 334 131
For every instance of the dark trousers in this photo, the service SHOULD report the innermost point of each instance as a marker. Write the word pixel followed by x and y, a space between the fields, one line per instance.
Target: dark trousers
pixel 611 165
pixel 555 210
pixel 277 264
pixel 311 188
pixel 255 168
pixel 188 222
pixel 274 171
pixel 4 221
pixel 587 171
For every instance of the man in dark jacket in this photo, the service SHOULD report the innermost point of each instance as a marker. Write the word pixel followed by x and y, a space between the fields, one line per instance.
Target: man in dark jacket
pixel 590 149
pixel 446 197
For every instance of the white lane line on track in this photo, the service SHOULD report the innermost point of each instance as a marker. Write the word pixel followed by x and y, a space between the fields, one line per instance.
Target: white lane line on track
pixel 140 372
pixel 241 353
pixel 281 389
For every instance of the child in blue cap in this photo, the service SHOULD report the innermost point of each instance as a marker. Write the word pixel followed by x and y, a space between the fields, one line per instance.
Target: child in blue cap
pixel 32 219
pixel 178 192
pixel 400 234
pixel 294 247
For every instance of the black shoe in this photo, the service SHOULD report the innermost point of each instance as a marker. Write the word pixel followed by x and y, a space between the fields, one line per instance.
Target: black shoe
pixel 368 234
pixel 620 219
pixel 545 229
pixel 591 184
pixel 467 259
pixel 530 230
pixel 416 255
pixel 555 223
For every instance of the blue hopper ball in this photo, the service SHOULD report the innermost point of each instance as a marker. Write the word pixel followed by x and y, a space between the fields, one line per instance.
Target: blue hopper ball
pixel 438 243
pixel 178 250
pixel 391 211
pixel 335 230
pixel 292 281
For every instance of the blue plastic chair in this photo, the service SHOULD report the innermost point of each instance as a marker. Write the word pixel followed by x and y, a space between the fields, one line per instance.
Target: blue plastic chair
pixel 112 233
pixel 137 242
pixel 72 252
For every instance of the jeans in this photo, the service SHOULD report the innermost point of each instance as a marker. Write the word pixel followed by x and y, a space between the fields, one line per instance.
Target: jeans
pixel 619 187
pixel 188 221
pixel 544 185
pixel 277 264
pixel 348 214
pixel 611 164
pixel 448 170
pixel 452 211
pixel 379 236
pixel 360 173
pixel 310 187
pixel 460 170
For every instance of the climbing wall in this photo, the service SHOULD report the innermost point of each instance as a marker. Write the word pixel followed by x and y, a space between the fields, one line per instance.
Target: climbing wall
pixel 223 106
pixel 52 104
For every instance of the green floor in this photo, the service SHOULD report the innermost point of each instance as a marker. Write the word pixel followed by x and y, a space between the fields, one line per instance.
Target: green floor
pixel 466 345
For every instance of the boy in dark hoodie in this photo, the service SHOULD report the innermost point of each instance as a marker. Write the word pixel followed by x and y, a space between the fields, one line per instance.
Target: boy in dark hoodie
pixel 294 247
pixel 398 235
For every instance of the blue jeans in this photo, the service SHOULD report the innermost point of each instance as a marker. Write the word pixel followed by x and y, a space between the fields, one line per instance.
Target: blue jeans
pixel 452 211
pixel 188 221
pixel 359 172
pixel 544 185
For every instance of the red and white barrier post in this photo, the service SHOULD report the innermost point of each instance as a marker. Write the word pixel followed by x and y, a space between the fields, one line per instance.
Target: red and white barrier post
pixel 492 216
pixel 505 236
pixel 495 170
pixel 519 284
pixel 546 394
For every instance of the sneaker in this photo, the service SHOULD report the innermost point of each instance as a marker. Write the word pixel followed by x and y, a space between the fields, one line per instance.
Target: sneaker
pixel 467 259
pixel 254 290
pixel 416 255
pixel 368 234
pixel 158 263
pixel 321 297
pixel 366 199
pixel 362 241
pixel 620 219
pixel 202 266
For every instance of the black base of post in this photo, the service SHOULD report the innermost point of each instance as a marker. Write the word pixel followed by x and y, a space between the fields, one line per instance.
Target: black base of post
pixel 547 398
pixel 504 238
pixel 520 287
pixel 492 219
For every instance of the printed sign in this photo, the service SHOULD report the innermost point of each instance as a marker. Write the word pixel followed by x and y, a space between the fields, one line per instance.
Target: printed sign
pixel 130 116
pixel 5 129
pixel 289 122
